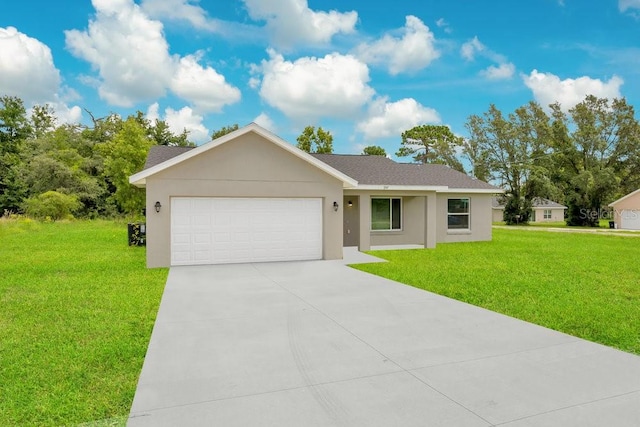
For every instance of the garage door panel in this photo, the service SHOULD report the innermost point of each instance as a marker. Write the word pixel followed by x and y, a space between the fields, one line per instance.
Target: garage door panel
pixel 227 230
pixel 630 219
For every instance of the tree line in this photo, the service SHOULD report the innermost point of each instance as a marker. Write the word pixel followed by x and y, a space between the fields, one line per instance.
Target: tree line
pixel 54 171
pixel 584 158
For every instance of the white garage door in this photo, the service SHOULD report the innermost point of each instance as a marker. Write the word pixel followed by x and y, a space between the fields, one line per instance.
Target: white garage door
pixel 206 230
pixel 630 219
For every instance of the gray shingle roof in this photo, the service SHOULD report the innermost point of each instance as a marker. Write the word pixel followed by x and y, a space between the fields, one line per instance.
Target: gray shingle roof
pixel 379 170
pixel 161 153
pixel 367 170
pixel 537 202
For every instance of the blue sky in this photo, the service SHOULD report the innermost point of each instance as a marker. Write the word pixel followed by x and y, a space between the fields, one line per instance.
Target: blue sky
pixel 364 70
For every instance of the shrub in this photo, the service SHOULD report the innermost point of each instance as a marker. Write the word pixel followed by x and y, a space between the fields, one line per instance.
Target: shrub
pixel 51 205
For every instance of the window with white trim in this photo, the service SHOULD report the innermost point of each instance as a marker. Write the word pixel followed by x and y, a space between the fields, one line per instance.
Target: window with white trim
pixel 547 214
pixel 386 214
pixel 458 214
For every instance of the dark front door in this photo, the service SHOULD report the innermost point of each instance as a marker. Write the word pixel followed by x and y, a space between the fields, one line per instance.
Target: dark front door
pixel 351 226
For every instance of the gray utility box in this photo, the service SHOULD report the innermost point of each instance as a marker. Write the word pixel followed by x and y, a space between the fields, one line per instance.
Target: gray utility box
pixel 137 233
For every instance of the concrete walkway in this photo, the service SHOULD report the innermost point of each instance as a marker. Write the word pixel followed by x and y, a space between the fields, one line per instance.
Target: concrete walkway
pixel 320 344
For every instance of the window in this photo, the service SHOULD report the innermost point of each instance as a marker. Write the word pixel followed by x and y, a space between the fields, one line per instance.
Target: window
pixel 386 214
pixel 458 214
pixel 547 214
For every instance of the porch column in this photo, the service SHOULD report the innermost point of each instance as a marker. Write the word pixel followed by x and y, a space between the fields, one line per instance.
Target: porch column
pixel 364 244
pixel 430 220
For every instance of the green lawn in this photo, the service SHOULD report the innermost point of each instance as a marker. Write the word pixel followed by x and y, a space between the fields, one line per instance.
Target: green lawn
pixel 583 284
pixel 77 306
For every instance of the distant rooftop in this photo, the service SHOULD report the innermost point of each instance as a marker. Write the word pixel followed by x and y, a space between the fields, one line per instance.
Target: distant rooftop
pixel 537 202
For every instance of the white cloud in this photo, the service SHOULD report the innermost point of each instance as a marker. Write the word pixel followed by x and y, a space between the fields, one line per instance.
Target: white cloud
pixel 471 48
pixel 333 86
pixel 547 88
pixel 203 87
pixel 392 118
pixel 291 22
pixel 66 114
pixel 179 120
pixel 128 49
pixel 26 67
pixel 131 55
pixel 178 10
pixel 265 121
pixel 27 71
pixel 625 5
pixel 502 71
pixel 441 23
pixel 414 51
pixel 153 112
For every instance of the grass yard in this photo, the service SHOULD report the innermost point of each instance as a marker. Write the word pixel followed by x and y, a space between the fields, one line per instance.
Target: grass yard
pixel 585 285
pixel 77 306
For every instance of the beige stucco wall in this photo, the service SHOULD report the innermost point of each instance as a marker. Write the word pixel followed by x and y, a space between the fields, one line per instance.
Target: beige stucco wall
pixel 414 216
pixel 630 203
pixel 557 214
pixel 481 217
pixel 248 166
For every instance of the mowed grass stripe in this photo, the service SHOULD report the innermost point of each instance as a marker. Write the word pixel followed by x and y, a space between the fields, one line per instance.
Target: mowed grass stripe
pixel 581 284
pixel 77 310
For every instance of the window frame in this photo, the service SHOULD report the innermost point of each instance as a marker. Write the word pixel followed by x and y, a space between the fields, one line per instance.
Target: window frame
pixel 544 214
pixel 391 217
pixel 459 214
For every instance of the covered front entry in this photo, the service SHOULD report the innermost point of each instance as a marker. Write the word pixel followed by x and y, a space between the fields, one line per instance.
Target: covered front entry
pixel 211 230
pixel 412 219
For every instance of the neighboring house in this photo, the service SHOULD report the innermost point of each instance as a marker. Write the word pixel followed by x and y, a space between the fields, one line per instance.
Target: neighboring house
pixel 626 211
pixel 544 210
pixel 250 196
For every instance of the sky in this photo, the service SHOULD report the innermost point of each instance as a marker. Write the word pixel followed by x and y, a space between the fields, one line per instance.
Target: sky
pixel 364 70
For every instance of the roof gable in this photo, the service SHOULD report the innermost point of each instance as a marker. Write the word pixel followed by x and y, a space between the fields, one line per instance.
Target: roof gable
pixel 163 159
pixel 623 198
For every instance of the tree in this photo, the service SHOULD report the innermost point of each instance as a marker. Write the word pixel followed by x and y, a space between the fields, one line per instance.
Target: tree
pixel 14 130
pixel 431 144
pixel 160 132
pixel 224 130
pixel 374 150
pixel 477 158
pixel 51 205
pixel 43 119
pixel 125 155
pixel 597 152
pixel 315 141
pixel 515 151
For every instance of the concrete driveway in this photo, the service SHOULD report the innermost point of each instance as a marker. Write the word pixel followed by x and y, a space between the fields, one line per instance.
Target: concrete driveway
pixel 320 344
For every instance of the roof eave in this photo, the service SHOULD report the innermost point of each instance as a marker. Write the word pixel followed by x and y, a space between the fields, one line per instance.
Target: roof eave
pixel 376 187
pixel 436 188
pixel 474 190
pixel 633 193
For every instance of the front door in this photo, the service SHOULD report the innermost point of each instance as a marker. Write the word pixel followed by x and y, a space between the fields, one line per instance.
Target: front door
pixel 351 226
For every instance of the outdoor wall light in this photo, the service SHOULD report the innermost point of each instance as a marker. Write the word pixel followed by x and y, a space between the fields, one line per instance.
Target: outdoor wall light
pixel 350 203
pixel 157 206
pixel 335 206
